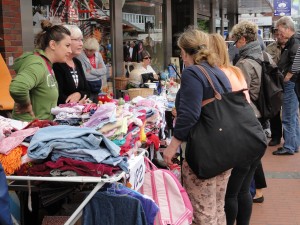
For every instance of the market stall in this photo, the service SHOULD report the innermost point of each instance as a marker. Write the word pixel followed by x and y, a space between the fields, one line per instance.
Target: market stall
pixel 122 131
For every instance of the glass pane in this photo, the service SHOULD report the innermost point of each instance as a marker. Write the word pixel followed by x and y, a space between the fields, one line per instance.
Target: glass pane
pixel 143 25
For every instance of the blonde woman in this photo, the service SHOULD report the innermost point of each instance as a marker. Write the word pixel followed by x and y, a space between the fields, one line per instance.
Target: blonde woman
pixel 207 195
pixel 238 200
pixel 93 66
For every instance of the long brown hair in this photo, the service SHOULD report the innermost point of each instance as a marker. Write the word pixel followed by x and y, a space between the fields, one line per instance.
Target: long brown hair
pixel 218 46
pixel 49 33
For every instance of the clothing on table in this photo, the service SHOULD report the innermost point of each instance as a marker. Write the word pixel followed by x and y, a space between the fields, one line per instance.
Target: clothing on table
pixel 149 206
pixel 80 168
pixel 79 143
pixel 105 208
pixel 70 80
pixel 34 84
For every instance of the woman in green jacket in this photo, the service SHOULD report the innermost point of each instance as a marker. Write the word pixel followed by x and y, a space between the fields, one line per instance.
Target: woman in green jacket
pixel 34 89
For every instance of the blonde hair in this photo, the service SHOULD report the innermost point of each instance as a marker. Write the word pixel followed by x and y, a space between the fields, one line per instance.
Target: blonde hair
pixel 245 29
pixel 91 44
pixel 75 30
pixel 218 46
pixel 195 43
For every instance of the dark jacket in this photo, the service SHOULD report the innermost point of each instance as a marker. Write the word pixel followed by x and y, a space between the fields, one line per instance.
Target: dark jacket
pixel 288 54
pixel 66 84
pixel 193 90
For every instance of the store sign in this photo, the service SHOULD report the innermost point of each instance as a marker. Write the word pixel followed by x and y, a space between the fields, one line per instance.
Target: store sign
pixel 137 172
pixel 260 21
pixel 282 7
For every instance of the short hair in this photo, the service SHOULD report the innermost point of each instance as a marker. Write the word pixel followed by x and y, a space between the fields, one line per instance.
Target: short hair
pixel 195 43
pixel 75 30
pixel 145 53
pixel 245 29
pixel 91 43
pixel 286 22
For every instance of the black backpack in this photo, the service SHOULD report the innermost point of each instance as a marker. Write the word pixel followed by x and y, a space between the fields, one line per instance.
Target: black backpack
pixel 270 96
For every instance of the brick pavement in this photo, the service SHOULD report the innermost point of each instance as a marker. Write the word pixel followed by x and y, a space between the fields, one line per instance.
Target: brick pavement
pixel 282 196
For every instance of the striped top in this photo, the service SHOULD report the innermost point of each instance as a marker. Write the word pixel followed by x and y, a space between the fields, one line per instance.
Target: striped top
pixel 296 63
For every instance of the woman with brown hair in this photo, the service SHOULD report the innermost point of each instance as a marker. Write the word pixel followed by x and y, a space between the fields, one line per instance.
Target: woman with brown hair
pixel 207 195
pixel 35 89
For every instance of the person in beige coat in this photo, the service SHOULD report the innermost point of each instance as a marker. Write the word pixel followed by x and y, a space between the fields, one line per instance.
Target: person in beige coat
pixel 245 35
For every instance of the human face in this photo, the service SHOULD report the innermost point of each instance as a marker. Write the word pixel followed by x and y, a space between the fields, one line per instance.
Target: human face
pixel 62 50
pixel 283 32
pixel 147 60
pixel 240 42
pixel 76 45
pixel 89 52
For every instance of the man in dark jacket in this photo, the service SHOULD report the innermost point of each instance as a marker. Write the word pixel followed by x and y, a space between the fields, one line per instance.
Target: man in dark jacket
pixel 290 115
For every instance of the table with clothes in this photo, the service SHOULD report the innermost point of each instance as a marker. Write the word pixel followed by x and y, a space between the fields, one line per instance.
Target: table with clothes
pixel 84 144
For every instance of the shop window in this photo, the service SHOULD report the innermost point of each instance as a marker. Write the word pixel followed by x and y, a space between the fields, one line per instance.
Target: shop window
pixel 146 28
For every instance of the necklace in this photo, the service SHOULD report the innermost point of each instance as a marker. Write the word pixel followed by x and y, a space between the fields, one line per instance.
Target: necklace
pixel 74 74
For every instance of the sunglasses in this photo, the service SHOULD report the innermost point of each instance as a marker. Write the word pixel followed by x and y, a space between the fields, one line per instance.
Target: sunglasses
pixel 147 58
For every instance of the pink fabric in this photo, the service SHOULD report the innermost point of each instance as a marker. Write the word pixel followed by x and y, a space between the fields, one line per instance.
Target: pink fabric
pixel 16 138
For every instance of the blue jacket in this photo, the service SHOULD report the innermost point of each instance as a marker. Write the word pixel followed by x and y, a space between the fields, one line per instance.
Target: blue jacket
pixel 193 90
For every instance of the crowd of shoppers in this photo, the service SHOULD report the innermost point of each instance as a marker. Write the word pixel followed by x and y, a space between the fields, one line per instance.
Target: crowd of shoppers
pixel 225 198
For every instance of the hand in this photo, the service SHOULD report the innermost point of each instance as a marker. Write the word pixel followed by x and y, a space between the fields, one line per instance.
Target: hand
pixel 174 112
pixel 73 98
pixel 169 153
pixel 287 77
pixel 24 108
pixel 171 150
pixel 83 100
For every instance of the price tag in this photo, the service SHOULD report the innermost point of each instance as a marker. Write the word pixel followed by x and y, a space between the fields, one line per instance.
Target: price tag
pixel 136 172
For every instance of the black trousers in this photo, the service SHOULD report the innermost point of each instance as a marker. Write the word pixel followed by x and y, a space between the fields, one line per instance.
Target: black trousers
pixel 259 177
pixel 276 127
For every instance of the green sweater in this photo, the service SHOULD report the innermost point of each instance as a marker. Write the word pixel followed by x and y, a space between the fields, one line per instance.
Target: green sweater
pixel 34 83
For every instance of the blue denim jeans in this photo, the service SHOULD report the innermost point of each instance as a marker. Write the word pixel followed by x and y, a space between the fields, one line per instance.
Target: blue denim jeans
pixel 290 120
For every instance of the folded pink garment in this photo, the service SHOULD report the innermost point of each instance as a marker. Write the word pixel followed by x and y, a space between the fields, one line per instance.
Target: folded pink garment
pixel 15 139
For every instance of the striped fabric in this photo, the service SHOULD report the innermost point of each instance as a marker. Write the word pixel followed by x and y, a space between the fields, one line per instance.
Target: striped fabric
pixel 296 63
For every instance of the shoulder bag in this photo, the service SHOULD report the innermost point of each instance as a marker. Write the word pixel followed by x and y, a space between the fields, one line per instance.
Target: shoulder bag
pixel 227 134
